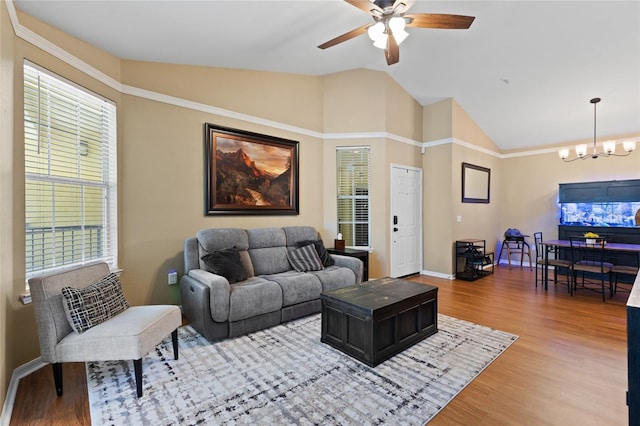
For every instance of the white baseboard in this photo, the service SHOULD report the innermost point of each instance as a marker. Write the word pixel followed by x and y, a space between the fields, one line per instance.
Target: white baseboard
pixel 516 263
pixel 438 275
pixel 20 372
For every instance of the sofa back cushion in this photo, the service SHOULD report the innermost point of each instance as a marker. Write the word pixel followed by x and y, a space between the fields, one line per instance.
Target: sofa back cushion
pixel 295 234
pixel 268 250
pixel 216 239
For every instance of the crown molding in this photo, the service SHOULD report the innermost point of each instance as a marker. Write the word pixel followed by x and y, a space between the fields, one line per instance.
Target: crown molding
pixel 56 51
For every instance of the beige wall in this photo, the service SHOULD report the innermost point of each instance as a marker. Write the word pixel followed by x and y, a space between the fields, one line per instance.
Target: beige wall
pixel 438 208
pixel 286 98
pixel 442 201
pixel 7 361
pixel 350 105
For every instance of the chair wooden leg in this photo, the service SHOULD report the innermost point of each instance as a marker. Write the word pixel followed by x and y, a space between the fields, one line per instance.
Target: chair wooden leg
pixel 137 367
pixel 174 340
pixel 57 377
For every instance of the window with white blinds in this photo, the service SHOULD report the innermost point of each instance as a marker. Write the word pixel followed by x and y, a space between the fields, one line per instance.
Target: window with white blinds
pixel 353 195
pixel 70 174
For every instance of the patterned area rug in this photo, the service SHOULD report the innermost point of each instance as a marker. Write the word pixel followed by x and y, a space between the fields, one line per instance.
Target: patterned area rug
pixel 285 375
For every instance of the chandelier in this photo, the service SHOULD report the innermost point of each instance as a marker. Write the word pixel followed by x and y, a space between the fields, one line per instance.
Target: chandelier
pixel 609 147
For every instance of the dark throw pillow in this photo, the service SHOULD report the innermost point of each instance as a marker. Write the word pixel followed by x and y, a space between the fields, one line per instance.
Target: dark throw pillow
pixel 324 255
pixel 227 263
pixel 89 306
pixel 305 259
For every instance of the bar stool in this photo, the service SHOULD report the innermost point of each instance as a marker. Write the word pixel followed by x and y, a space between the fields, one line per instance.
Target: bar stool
pixel 515 243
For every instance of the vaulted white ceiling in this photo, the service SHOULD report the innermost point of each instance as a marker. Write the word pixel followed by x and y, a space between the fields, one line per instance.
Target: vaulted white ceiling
pixel 525 70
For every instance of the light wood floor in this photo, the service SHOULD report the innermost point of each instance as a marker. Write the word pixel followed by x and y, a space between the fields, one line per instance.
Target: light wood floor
pixel 568 367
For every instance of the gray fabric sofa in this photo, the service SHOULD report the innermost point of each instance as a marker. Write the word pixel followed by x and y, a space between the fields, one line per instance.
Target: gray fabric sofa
pixel 273 291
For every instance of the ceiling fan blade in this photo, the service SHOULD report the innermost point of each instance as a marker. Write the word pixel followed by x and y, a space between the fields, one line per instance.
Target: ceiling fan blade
pixel 344 37
pixel 437 20
pixel 364 5
pixel 392 52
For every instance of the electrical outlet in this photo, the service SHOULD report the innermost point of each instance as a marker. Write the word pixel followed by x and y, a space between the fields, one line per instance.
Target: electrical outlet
pixel 172 277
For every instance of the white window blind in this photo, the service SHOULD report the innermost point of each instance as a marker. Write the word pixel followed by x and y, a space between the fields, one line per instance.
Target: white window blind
pixel 353 195
pixel 70 174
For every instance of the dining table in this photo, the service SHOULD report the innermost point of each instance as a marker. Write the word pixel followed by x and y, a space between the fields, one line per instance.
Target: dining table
pixel 555 244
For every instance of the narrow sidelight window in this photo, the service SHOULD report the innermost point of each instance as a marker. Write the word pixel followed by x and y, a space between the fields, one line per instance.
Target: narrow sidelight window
pixel 353 195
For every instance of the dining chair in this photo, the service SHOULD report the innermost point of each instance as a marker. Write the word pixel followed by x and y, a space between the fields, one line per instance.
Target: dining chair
pixel 549 261
pixel 588 257
pixel 622 269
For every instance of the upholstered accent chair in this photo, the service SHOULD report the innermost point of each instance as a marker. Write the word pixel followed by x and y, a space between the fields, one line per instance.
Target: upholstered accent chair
pixel 68 334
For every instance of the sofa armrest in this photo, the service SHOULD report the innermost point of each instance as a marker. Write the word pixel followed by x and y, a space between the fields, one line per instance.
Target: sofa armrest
pixel 190 255
pixel 212 290
pixel 352 263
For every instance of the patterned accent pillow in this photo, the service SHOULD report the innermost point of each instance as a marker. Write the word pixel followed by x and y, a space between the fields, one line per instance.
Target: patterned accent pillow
pixel 226 263
pixel 305 259
pixel 325 257
pixel 89 306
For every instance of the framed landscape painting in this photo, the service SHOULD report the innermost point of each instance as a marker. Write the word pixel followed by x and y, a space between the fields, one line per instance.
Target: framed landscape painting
pixel 249 173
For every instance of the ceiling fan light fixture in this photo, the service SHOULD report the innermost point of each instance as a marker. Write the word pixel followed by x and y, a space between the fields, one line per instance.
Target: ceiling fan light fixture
pixel 381 42
pixel 397 25
pixel 376 31
pixel 388 29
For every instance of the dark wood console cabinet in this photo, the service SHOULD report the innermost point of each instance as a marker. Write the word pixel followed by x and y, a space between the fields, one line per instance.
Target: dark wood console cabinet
pixel 600 192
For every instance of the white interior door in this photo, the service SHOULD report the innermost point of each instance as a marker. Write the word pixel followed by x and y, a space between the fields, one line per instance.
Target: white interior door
pixel 406 220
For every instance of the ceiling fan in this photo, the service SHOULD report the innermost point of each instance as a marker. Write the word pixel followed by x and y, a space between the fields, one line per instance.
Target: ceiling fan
pixel 388 32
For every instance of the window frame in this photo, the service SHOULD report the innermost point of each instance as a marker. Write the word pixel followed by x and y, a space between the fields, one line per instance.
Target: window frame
pixel 355 219
pixel 89 185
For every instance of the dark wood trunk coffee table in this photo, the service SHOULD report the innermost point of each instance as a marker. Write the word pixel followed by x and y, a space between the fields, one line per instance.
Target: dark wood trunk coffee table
pixel 378 319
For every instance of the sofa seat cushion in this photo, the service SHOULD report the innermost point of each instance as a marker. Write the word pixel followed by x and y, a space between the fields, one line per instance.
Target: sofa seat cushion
pixel 253 297
pixel 297 287
pixel 334 277
pixel 128 335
